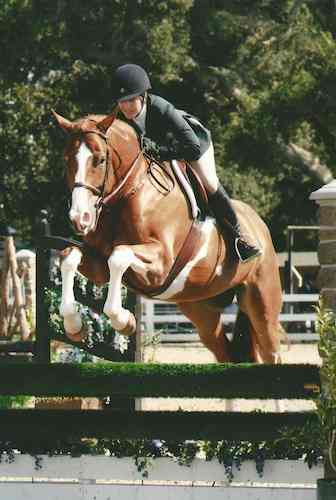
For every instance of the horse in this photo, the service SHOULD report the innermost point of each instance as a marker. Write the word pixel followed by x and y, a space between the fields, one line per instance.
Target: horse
pixel 138 230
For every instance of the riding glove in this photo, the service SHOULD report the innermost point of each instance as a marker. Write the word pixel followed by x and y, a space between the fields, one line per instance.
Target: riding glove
pixel 150 147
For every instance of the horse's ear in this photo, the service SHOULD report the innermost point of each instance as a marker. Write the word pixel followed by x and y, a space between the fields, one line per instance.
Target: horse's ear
pixel 65 124
pixel 106 122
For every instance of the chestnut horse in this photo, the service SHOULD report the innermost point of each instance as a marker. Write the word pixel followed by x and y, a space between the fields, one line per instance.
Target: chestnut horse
pixel 137 229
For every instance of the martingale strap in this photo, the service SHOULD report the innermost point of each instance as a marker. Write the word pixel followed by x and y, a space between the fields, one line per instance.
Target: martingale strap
pixel 122 187
pixel 186 253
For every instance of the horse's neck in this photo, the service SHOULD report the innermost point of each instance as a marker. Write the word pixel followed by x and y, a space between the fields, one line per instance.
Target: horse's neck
pixel 122 136
pixel 125 146
pixel 125 143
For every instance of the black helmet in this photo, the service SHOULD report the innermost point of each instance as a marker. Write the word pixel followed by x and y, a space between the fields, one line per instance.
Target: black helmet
pixel 130 80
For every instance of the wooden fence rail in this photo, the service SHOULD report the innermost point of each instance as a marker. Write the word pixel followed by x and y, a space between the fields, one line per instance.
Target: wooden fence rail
pixel 128 380
pixel 164 318
pixel 20 427
pixel 222 380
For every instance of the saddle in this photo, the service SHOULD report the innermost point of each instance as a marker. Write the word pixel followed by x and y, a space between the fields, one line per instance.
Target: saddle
pixel 164 175
pixel 193 188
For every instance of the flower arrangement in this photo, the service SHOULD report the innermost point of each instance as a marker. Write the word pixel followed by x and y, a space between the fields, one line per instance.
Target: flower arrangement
pixel 231 454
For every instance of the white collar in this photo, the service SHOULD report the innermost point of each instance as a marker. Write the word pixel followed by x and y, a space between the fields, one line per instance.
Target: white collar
pixel 140 119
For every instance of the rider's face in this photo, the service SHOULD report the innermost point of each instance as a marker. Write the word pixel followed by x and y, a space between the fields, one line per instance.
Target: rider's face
pixel 131 108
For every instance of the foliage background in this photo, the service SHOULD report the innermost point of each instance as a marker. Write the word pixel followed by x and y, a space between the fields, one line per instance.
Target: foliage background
pixel 259 73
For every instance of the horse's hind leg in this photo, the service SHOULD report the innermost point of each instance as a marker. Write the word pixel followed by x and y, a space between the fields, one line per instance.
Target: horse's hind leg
pixel 209 326
pixel 262 302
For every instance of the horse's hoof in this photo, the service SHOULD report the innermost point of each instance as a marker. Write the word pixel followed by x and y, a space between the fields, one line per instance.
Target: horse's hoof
pixel 77 336
pixel 130 328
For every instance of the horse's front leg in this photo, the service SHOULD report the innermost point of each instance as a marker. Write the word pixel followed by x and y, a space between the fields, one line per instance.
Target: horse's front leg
pixel 69 309
pixel 120 260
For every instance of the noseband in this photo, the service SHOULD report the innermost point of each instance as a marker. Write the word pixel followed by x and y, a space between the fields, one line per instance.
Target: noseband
pixel 106 199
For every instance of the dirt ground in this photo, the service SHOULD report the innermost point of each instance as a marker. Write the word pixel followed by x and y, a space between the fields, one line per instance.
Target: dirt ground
pixel 196 353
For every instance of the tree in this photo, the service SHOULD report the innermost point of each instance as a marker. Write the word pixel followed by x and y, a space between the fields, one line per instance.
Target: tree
pixel 61 55
pixel 268 68
pixel 260 75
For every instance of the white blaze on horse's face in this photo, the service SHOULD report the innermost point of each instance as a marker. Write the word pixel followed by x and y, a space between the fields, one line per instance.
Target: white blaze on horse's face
pixel 83 210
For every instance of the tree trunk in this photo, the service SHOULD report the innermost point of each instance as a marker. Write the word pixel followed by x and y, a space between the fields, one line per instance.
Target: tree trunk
pixel 303 158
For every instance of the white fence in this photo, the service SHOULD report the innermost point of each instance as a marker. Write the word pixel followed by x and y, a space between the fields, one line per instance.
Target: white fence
pixel 298 318
pixel 102 478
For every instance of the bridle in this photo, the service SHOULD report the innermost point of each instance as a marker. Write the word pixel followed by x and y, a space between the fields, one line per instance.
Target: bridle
pixel 96 191
pixel 105 200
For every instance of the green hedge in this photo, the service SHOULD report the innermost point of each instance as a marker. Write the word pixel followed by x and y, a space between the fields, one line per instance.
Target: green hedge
pixel 225 380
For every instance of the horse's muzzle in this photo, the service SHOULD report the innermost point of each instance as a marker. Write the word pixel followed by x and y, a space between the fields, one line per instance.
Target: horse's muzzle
pixel 83 223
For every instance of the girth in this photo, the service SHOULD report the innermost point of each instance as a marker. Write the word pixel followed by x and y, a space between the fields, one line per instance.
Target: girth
pixel 187 252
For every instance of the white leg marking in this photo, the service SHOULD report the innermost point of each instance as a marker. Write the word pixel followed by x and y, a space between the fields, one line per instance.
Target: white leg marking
pixel 120 260
pixel 68 307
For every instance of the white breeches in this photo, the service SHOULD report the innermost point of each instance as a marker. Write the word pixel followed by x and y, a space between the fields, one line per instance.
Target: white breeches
pixel 205 166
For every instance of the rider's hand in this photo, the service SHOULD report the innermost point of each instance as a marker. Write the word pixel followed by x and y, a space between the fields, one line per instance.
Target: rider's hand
pixel 150 147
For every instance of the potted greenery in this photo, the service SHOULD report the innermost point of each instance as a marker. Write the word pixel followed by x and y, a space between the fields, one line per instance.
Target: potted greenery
pixel 326 405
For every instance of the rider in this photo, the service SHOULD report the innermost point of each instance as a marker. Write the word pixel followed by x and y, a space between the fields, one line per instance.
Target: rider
pixel 168 133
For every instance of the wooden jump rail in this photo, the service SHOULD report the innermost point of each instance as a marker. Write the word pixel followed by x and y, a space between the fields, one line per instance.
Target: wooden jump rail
pixel 146 380
pixel 20 427
pixel 222 380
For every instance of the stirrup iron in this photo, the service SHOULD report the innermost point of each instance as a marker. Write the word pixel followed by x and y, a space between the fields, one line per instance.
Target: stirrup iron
pixel 251 251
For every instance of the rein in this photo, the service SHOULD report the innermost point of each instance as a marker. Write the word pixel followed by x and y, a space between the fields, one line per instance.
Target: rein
pixel 124 188
pixel 116 193
pixel 155 175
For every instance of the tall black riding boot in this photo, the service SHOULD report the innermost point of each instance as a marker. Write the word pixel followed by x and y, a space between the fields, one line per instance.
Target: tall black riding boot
pixel 221 207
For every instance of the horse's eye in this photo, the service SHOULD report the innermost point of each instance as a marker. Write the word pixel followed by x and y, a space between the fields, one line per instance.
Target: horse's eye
pixel 98 162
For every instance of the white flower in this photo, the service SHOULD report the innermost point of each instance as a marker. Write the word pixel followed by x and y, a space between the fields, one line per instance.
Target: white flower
pixel 120 342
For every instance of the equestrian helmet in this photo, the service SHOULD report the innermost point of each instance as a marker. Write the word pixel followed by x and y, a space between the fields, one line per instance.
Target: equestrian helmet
pixel 130 81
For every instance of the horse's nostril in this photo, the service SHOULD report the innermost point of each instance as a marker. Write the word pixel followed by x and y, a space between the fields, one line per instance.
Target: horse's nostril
pixel 86 217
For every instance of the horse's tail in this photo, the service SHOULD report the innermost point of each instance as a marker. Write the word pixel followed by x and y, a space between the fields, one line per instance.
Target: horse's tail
pixel 241 343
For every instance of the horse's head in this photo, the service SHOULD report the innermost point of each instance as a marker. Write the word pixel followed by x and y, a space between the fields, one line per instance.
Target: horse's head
pixel 96 161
